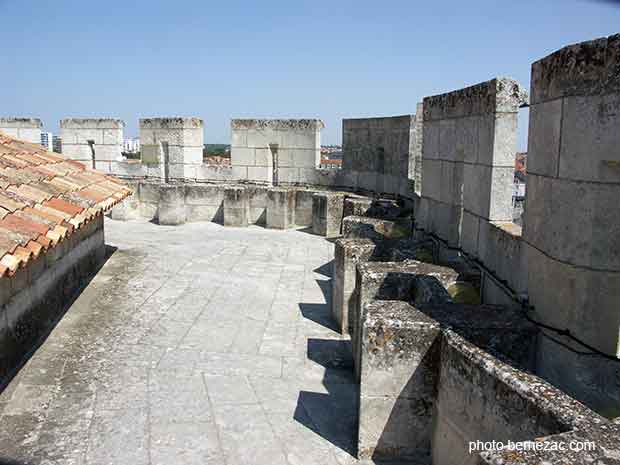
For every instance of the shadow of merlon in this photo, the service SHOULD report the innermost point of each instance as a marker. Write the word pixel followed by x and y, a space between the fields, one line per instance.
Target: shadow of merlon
pixel 319 313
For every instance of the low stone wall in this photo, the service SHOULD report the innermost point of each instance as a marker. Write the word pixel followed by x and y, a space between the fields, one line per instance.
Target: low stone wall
pixel 34 298
pixel 347 254
pixel 375 228
pixel 327 209
pixel 228 204
pixel 379 153
pixel 437 377
pixel 503 402
pixel 410 281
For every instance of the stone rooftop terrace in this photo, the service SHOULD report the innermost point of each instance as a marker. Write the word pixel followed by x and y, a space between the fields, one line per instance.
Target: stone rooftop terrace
pixel 192 345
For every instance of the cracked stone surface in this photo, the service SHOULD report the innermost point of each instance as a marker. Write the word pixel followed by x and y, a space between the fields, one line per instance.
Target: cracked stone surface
pixel 194 344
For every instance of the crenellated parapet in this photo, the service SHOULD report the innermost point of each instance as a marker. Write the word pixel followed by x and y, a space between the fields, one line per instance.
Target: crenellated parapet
pixel 95 142
pixel 276 151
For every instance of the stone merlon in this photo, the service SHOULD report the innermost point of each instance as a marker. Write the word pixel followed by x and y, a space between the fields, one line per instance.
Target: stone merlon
pixel 499 95
pixel 587 68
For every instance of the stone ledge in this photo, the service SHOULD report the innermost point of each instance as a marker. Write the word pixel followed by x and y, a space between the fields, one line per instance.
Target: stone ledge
pixel 586 68
pixel 17 122
pixel 282 124
pixel 497 95
pixel 175 122
pixel 91 123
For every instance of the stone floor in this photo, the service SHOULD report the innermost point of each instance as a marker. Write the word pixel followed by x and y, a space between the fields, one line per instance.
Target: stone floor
pixel 193 345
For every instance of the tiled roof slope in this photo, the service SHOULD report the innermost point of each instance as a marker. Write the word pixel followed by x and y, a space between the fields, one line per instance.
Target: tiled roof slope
pixel 44 198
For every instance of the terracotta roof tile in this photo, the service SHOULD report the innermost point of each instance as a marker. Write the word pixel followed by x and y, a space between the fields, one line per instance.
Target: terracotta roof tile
pixel 43 198
pixel 9 203
pixel 56 219
pixel 63 206
pixel 16 223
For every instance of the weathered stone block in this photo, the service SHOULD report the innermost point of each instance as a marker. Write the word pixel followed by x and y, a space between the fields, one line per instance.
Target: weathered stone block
pixel 128 209
pixel 327 210
pixel 500 203
pixel 590 139
pixel 431 140
pixel 407 281
pixel 466 139
pixel 235 206
pixel 305 158
pixel 171 207
pixel 505 139
pixel 544 138
pixel 204 194
pixel 148 192
pixel 469 233
pixel 204 213
pixel 356 206
pixel 477 189
pixel 280 208
pixel 451 183
pixel 399 375
pixel 347 254
pixel 260 174
pixel 447 139
pixel 376 229
pixel 587 68
pixel 303 207
pixel 561 293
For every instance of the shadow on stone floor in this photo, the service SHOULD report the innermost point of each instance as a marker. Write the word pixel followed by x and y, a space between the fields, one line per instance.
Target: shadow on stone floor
pixel 326 288
pixel 319 313
pixel 316 411
pixel 31 342
pixel 331 353
pixel 307 230
pixel 325 269
pixel 331 415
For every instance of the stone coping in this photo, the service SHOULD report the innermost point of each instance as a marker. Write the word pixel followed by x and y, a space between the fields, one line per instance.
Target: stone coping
pixel 586 68
pixel 172 122
pixel 495 96
pixel 18 122
pixel 92 123
pixel 280 124
pixel 459 331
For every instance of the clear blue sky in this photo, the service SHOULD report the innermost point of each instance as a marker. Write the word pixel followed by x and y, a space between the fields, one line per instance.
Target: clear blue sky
pixel 220 60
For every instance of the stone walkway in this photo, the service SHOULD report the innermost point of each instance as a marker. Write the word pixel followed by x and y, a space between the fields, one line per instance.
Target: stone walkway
pixel 193 345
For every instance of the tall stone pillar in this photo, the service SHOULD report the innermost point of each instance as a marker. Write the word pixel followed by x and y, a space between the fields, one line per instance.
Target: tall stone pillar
pixel 95 142
pixel 469 147
pixel 172 147
pixel 572 218
pixel 27 129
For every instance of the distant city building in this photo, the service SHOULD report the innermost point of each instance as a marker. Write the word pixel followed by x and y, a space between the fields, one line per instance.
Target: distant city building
pixel 329 149
pixel 47 140
pixel 331 153
pixel 57 144
pixel 330 164
pixel 131 145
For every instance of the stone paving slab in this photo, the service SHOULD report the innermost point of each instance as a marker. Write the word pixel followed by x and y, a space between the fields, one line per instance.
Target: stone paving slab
pixel 193 345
